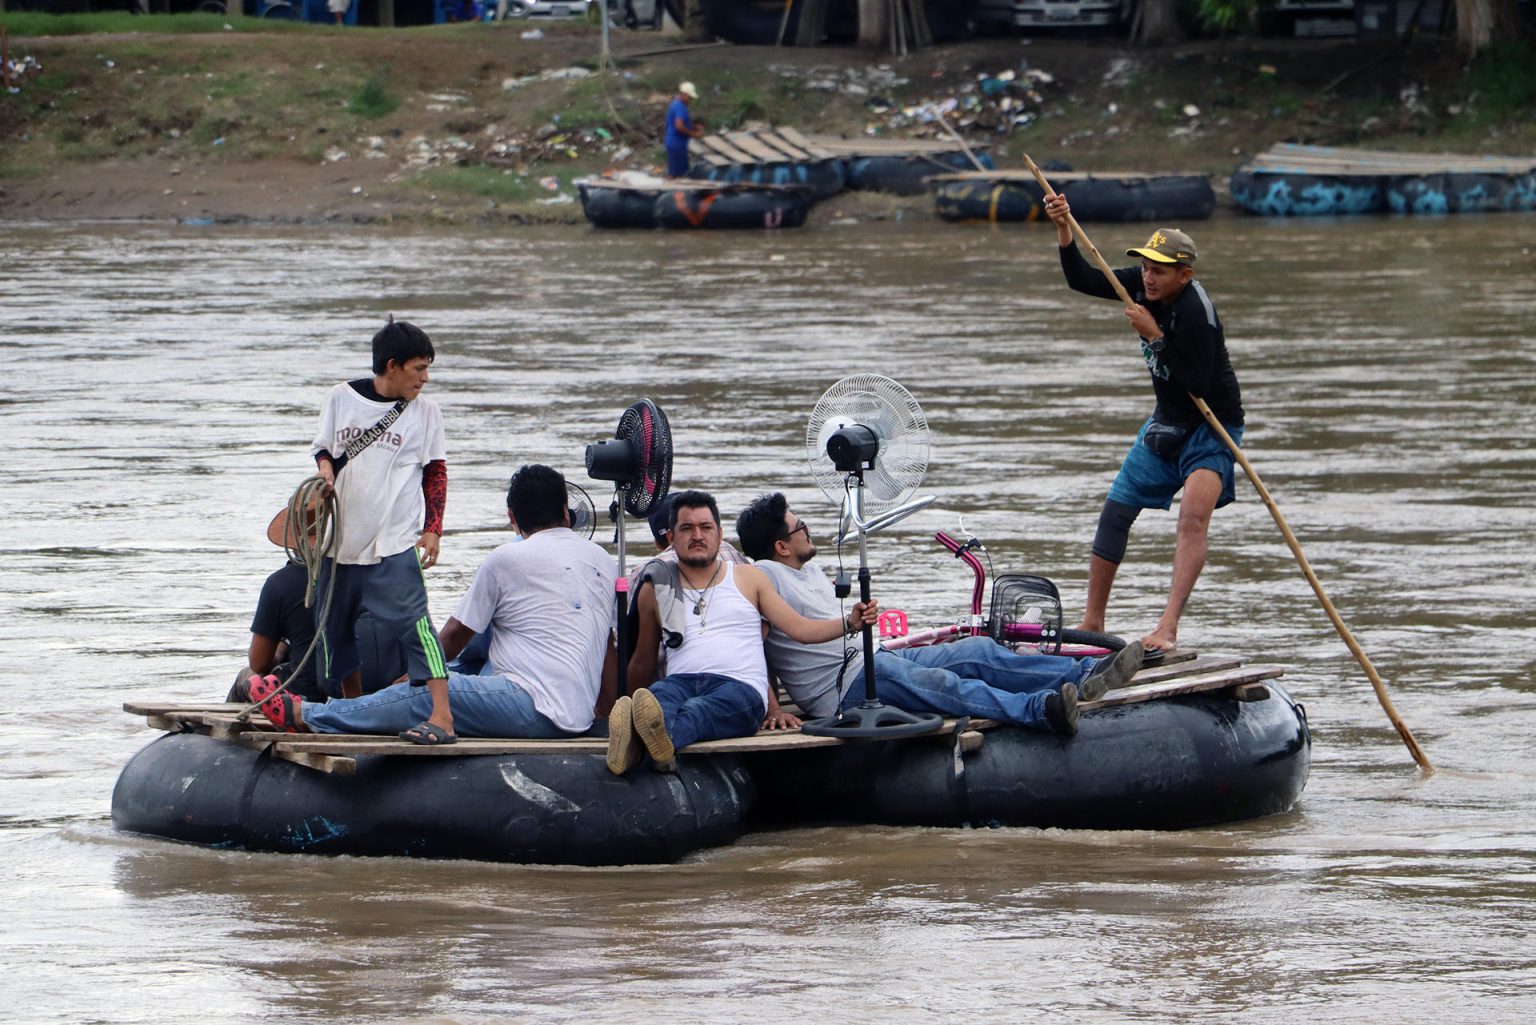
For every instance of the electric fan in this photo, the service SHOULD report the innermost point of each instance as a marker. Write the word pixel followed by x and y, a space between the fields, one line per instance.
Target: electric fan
pixel 867 443
pixel 583 512
pixel 638 460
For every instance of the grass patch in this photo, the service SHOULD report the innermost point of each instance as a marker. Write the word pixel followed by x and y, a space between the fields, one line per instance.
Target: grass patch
pixel 36 23
pixel 1503 81
pixel 372 100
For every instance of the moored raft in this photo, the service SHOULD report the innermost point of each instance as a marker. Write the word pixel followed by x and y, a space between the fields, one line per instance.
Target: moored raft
pixel 999 196
pixel 631 200
pixel 1290 180
pixel 775 157
pixel 1195 742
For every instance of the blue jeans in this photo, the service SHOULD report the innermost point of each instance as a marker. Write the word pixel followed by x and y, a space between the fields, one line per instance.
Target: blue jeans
pixel 707 706
pixel 482 706
pixel 677 162
pixel 976 676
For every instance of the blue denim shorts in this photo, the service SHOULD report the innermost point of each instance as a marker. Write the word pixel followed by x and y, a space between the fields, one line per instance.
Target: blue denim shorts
pixel 1148 481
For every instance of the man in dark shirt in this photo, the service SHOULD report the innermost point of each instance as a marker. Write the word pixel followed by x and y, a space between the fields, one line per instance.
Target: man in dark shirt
pixel 283 628
pixel 1185 352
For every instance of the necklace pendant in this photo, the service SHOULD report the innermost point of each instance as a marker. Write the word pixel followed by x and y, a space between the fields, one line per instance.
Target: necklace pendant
pixel 698 607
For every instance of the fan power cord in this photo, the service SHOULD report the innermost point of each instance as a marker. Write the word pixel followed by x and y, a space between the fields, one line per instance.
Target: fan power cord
pixel 309 548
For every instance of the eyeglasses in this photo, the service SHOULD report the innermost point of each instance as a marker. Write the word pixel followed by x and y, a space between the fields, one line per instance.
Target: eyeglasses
pixel 804 527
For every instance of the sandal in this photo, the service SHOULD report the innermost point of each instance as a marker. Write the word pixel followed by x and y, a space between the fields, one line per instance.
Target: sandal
pixel 428 734
pixel 281 709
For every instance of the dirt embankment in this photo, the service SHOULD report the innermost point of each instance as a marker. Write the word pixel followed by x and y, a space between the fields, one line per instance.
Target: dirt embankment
pixel 475 123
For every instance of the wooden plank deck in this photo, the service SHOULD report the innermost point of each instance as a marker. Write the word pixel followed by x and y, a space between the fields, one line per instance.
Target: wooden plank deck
pixel 1291 158
pixel 779 145
pixel 1185 673
pixel 1012 174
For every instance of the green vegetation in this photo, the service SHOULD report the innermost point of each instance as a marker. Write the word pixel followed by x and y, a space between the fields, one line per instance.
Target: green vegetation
pixel 1502 81
pixel 372 100
pixel 34 23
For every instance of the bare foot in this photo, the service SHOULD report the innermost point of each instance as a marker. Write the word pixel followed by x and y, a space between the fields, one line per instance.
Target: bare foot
pixel 1092 626
pixel 1160 639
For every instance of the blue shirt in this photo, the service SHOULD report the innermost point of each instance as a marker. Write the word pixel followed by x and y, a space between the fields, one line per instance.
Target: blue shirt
pixel 677 110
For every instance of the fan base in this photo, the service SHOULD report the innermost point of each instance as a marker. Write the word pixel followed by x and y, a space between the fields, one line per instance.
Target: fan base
pixel 874 721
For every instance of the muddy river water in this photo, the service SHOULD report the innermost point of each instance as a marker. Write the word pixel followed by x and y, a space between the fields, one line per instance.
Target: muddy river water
pixel 158 399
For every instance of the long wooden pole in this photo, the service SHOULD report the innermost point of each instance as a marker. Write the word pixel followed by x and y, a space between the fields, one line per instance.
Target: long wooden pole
pixel 1274 510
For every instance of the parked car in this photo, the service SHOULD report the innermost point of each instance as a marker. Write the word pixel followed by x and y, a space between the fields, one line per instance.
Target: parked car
pixel 1046 15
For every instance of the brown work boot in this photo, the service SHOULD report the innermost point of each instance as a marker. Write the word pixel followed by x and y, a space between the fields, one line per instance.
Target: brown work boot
pixel 623 746
pixel 651 724
pixel 1110 672
pixel 1061 710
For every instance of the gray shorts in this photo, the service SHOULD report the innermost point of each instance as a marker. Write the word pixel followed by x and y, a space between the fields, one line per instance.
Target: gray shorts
pixel 394 593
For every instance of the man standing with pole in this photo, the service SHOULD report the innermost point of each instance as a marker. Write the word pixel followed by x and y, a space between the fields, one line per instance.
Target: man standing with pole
pixel 1067 228
pixel 1185 352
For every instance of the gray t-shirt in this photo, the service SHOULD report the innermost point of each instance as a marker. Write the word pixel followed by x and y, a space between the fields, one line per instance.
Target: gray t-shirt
pixel 809 671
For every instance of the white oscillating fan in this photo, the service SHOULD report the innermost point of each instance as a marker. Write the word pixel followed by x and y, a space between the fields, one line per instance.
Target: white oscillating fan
pixel 867 443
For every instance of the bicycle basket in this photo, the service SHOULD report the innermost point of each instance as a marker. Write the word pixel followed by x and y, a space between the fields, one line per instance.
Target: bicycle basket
pixel 1026 608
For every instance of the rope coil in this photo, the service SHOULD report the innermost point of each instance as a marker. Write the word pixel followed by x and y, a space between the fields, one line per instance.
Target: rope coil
pixel 311 533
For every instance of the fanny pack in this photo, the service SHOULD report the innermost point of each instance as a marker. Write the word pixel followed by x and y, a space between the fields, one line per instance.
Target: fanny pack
pixel 1165 439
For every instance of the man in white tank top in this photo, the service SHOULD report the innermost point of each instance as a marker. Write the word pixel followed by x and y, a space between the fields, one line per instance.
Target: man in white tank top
pixel 717 680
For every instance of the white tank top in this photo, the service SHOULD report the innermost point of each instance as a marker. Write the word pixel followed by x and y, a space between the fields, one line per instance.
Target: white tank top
pixel 725 638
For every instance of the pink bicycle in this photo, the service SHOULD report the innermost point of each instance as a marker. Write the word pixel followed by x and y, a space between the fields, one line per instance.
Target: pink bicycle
pixel 1025 614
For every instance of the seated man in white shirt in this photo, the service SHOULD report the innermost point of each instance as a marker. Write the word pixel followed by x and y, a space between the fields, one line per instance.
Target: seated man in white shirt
pixel 976 676
pixel 547 601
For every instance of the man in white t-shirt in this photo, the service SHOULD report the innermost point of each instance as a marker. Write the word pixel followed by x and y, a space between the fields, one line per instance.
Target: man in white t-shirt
pixel 547 601
pixel 975 676
pixel 380 446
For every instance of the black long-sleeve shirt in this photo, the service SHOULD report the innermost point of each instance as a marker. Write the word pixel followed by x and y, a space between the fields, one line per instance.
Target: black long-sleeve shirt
pixel 1191 357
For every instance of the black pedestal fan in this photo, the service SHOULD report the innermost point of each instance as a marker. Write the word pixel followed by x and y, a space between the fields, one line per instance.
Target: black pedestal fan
pixel 638 460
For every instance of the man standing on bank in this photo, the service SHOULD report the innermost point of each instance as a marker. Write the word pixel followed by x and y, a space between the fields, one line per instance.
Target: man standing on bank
pixel 1185 350
pixel 680 128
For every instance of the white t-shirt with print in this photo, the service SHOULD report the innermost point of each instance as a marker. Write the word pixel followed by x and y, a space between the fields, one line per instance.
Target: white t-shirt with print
pixel 548 602
pixel 379 493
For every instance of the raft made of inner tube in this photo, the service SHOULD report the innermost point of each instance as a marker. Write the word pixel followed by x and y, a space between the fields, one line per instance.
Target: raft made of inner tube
pixel 777 156
pixel 907 174
pixel 1202 740
pixel 643 201
pixel 1169 764
pixel 1102 196
pixel 1301 181
pixel 556 808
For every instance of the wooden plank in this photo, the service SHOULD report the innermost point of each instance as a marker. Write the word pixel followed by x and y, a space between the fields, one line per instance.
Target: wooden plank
pixel 745 142
pixel 725 149
pixel 1010 174
pixel 793 136
pixel 331 764
pixel 161 707
pixel 776 142
pixel 1287 158
pixel 1185 685
pixel 1173 670
pixel 1250 692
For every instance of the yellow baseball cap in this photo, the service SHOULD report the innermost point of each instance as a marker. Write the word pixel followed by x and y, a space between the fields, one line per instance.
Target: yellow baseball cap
pixel 1167 245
